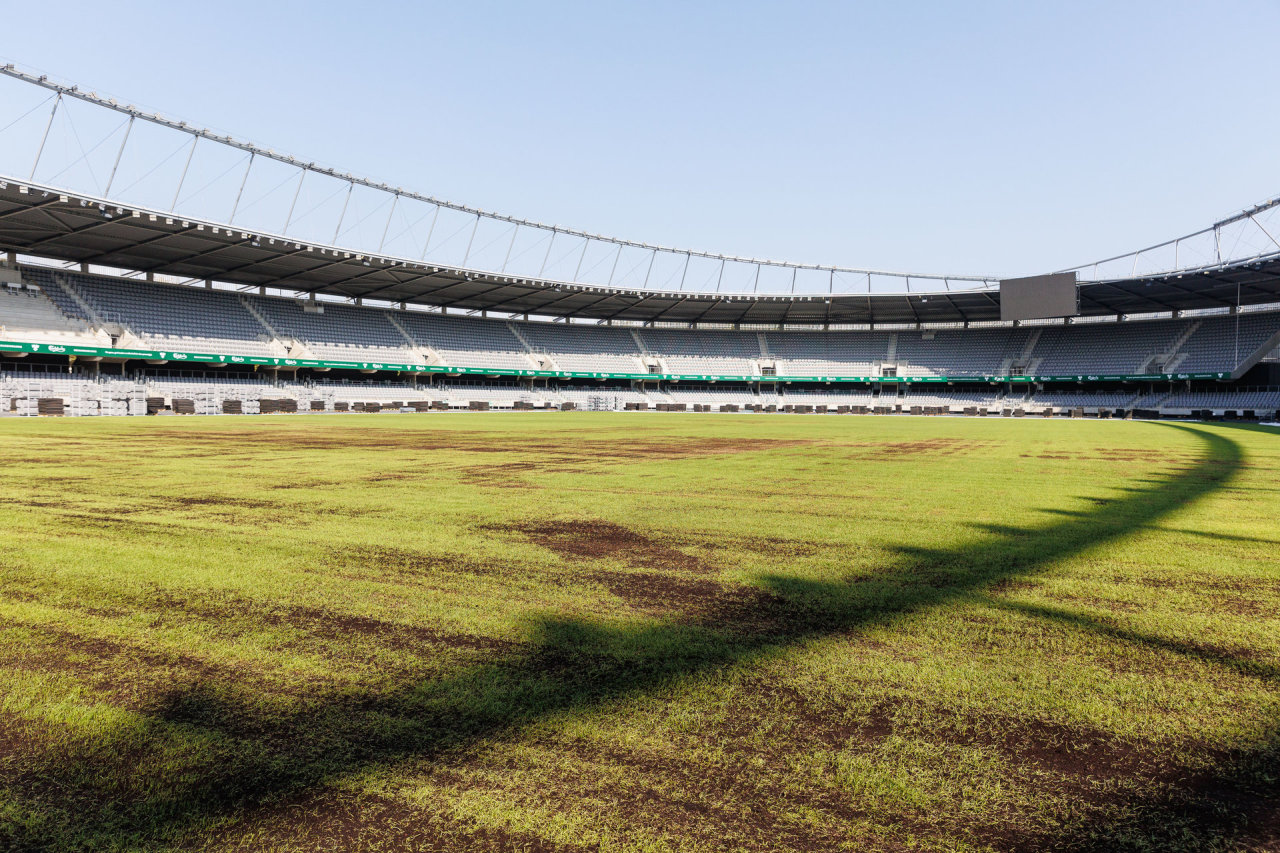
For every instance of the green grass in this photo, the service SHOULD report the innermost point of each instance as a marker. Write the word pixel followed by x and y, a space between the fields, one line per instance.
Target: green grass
pixel 638 633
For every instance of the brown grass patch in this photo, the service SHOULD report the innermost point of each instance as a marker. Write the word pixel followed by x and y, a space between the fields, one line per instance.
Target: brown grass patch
pixel 236 615
pixel 931 446
pixel 653 591
pixel 121 674
pixel 333 820
pixel 574 445
pixel 595 540
pixel 385 563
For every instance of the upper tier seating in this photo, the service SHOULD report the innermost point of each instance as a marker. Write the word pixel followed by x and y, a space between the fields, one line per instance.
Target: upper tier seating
pixel 171 317
pixel 585 348
pixel 27 314
pixel 704 353
pixel 1214 344
pixel 1097 348
pixel 341 332
pixel 954 352
pixel 466 342
pixel 98 309
pixel 829 354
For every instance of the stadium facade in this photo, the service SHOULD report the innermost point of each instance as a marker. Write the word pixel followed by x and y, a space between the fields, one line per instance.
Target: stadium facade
pixel 111 307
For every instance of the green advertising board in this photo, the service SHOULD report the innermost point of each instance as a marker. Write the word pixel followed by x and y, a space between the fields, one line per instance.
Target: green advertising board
pixel 170 356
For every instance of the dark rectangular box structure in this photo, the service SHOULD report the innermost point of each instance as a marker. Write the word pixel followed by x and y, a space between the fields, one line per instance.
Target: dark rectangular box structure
pixel 1039 297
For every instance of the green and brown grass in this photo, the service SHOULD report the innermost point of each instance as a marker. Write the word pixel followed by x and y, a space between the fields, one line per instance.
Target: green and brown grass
pixel 638 633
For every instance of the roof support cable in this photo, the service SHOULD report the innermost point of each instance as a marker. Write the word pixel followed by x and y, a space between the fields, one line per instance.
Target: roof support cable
pixel 514 233
pixel 119 154
pixel 427 245
pixel 154 168
pixel 472 241
pixel 39 151
pixel 586 241
pixel 236 207
pixel 302 176
pixel 394 201
pixel 84 154
pixel 1263 230
pixel 338 230
pixel 195 140
pixel 27 113
pixel 63 91
pixel 614 270
pixel 547 256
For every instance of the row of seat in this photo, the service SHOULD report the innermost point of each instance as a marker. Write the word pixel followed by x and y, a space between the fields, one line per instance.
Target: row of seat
pixel 180 318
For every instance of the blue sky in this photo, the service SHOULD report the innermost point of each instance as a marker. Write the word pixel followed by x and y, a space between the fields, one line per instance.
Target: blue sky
pixel 1004 138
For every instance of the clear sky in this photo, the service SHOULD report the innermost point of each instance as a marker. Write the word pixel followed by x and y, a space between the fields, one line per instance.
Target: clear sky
pixel 982 137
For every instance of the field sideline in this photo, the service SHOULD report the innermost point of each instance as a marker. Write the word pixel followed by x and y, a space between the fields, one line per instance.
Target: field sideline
pixel 647 632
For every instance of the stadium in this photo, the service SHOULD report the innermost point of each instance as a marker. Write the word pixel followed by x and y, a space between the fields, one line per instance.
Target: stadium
pixel 204 317
pixel 342 516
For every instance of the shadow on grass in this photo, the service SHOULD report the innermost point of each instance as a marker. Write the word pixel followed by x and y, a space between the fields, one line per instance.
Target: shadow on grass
pixel 1237 661
pixel 1239 800
pixel 216 752
pixel 1223 537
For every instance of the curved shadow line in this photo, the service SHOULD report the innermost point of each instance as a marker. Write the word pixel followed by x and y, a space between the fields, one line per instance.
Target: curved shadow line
pixel 571 664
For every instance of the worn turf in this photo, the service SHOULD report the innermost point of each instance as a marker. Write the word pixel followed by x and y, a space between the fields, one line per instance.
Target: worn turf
pixel 638 633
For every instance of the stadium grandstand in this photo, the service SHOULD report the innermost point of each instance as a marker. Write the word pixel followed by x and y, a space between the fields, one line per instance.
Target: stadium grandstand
pixel 115 305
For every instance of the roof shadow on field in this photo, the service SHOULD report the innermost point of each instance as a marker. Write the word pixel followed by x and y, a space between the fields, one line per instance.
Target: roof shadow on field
pixel 213 752
pixel 1237 801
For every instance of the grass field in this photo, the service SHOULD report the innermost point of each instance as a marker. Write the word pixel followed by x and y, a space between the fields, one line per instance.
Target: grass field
pixel 638 633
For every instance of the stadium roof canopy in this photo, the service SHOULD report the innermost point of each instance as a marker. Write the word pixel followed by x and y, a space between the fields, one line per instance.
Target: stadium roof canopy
pixel 51 223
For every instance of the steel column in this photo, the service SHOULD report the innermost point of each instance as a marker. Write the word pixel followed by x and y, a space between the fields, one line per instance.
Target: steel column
pixel 581 258
pixel 119 154
pixel 387 227
pixel 426 246
pixel 183 179
pixel 616 258
pixel 235 207
pixel 336 231
pixel 510 246
pixel 547 256
pixel 53 112
pixel 296 193
pixel 472 241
